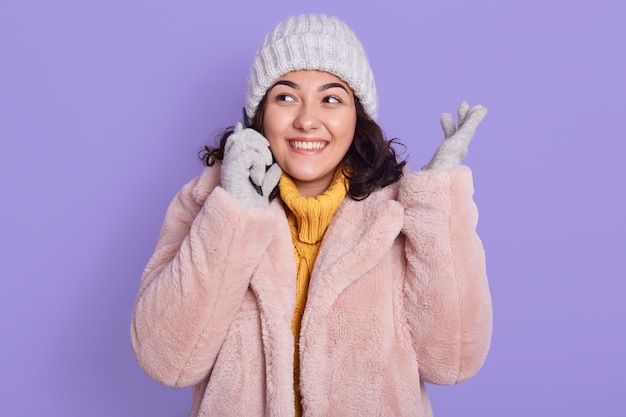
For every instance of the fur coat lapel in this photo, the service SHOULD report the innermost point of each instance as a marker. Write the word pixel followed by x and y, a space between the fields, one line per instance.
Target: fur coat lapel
pixel 359 235
pixel 274 287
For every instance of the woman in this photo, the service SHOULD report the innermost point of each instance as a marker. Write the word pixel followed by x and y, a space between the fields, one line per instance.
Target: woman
pixel 307 271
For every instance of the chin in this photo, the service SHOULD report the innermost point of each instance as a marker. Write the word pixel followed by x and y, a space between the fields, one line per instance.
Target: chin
pixel 306 176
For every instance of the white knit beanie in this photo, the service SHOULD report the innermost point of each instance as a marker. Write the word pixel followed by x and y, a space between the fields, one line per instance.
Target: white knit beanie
pixel 311 42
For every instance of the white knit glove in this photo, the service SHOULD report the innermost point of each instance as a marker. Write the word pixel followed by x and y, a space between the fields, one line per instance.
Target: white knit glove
pixel 248 171
pixel 453 149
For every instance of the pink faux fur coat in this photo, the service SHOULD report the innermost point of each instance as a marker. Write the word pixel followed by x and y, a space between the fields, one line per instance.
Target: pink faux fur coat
pixel 398 297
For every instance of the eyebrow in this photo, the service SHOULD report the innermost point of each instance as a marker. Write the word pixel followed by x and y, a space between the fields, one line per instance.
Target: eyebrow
pixel 332 85
pixel 297 87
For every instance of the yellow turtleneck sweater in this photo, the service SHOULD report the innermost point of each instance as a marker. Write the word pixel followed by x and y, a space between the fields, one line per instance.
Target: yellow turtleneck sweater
pixel 308 219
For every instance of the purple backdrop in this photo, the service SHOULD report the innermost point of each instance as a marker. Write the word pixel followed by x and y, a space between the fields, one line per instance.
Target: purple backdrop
pixel 104 105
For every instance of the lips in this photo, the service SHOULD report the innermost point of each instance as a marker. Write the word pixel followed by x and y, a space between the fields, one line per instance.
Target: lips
pixel 307 145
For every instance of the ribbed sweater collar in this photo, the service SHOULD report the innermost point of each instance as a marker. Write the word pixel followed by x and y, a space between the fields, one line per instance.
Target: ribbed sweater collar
pixel 312 214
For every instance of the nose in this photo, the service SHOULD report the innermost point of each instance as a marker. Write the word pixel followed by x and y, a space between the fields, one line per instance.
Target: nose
pixel 307 118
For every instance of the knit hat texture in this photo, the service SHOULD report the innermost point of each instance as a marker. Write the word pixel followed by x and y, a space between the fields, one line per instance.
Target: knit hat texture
pixel 311 42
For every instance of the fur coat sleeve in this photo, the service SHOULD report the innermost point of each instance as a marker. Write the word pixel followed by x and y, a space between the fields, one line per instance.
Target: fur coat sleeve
pixel 181 313
pixel 445 290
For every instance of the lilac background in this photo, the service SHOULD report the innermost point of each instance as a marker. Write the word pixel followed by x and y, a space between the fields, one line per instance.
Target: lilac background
pixel 104 105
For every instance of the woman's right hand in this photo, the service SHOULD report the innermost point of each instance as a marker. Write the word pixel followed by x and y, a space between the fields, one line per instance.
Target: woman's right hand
pixel 249 172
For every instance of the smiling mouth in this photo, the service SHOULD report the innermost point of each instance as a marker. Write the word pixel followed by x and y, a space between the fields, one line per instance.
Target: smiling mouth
pixel 307 146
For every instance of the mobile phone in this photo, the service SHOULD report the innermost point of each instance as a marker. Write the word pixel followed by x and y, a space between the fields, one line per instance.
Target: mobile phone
pixel 245 118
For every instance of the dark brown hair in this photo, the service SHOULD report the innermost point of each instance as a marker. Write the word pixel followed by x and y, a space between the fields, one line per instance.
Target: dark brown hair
pixel 371 162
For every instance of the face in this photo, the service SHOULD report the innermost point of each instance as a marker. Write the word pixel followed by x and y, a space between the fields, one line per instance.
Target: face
pixel 309 120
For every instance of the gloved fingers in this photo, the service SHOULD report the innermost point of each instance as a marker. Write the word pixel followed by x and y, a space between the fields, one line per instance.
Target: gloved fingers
pixel 462 113
pixel 448 125
pixel 265 155
pixel 248 151
pixel 271 178
pixel 257 172
pixel 472 120
pixel 260 158
pixel 230 143
pixel 479 112
pixel 252 136
pixel 247 156
pixel 242 139
pixel 233 138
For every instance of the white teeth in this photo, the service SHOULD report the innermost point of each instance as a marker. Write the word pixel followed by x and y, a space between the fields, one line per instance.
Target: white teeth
pixel 308 146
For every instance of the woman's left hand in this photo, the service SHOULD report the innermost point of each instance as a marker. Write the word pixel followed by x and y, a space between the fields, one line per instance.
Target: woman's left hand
pixel 454 147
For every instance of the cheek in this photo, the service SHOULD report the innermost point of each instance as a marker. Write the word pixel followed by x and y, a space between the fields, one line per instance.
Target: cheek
pixel 274 122
pixel 344 127
pixel 272 129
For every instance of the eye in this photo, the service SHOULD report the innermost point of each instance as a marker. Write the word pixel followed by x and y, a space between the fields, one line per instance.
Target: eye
pixel 332 100
pixel 285 97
